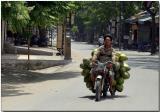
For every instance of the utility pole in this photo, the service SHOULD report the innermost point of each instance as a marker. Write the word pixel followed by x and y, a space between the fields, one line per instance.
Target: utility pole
pixel 67 38
pixel 60 37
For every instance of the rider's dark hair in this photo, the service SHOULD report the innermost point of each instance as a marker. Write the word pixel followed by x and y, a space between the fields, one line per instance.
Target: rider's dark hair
pixel 107 35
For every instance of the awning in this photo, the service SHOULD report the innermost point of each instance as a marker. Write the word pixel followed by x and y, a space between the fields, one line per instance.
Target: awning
pixel 147 19
pixel 130 20
pixel 141 19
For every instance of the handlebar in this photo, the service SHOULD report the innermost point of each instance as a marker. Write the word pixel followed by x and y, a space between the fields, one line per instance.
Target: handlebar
pixel 98 63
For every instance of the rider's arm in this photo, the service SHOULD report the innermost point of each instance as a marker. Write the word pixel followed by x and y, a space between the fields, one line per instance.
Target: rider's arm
pixel 95 56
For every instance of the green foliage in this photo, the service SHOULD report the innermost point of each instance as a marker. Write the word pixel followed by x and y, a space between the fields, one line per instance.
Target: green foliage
pixel 50 13
pixel 19 14
pixel 154 7
pixel 93 16
pixel 74 29
pixel 130 8
pixel 16 14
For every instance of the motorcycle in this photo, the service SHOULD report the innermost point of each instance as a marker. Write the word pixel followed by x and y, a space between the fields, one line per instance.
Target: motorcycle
pixel 104 75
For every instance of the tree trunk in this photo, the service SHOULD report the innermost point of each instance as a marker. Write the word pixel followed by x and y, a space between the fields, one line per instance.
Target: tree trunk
pixel 91 37
pixel 43 40
pixel 42 32
pixel 153 44
pixel 28 62
pixel 3 34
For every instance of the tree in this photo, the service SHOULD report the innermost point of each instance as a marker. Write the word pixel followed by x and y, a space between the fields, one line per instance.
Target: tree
pixel 22 15
pixel 16 14
pixel 96 16
pixel 48 13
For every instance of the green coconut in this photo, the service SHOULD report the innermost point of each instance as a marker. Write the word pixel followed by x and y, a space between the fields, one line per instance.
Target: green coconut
pixel 117 75
pixel 117 66
pixel 120 80
pixel 114 82
pixel 119 88
pixel 94 51
pixel 116 58
pixel 86 72
pixel 86 63
pixel 123 57
pixel 82 66
pixel 89 84
pixel 122 70
pixel 126 75
pixel 125 67
pixel 118 54
pixel 87 79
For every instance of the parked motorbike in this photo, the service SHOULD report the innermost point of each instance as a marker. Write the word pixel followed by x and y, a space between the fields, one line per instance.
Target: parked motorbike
pixel 103 76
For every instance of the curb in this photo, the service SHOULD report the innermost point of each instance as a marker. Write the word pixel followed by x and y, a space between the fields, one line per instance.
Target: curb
pixel 34 64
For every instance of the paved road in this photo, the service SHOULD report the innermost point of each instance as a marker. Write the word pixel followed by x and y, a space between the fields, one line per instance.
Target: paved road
pixel 62 87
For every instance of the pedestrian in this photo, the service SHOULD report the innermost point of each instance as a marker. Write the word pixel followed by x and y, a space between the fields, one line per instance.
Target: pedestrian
pixel 100 41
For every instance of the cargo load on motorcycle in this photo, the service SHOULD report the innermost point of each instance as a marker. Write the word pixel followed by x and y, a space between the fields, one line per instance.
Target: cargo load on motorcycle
pixel 121 72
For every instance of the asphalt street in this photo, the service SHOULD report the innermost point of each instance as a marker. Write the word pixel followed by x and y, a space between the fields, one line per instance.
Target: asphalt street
pixel 62 87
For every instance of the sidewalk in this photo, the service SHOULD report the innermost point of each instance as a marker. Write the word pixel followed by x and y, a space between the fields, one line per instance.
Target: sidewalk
pixel 136 53
pixel 44 58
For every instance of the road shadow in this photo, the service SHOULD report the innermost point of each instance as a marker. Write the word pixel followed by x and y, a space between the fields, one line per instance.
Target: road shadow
pixel 92 97
pixel 144 62
pixel 12 80
pixel 15 77
pixel 11 90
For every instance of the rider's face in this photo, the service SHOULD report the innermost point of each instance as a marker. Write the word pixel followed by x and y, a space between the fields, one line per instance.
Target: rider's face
pixel 108 41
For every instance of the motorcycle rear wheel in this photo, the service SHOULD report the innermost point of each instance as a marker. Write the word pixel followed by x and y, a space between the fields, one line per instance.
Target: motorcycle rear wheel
pixel 105 89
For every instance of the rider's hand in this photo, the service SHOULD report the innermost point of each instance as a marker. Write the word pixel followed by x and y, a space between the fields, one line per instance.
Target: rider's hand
pixel 94 63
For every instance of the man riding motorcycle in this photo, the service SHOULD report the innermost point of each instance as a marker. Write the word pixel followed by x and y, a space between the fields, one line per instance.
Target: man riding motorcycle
pixel 104 53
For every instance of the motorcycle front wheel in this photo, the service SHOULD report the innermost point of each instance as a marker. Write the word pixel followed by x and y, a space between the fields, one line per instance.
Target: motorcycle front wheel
pixel 98 90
